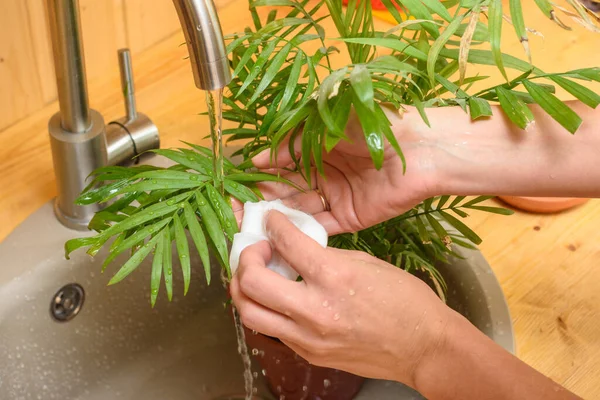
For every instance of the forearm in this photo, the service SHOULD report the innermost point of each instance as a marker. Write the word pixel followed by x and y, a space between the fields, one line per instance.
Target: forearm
pixel 469 365
pixel 493 156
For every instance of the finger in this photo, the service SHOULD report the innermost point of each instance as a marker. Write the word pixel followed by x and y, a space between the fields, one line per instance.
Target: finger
pixel 267 287
pixel 259 318
pixel 330 223
pixel 310 202
pixel 283 157
pixel 304 254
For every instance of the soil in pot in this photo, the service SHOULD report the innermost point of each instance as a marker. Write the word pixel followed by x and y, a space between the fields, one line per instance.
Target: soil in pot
pixel 291 377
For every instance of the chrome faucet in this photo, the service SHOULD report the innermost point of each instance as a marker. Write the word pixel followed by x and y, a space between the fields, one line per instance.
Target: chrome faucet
pixel 79 138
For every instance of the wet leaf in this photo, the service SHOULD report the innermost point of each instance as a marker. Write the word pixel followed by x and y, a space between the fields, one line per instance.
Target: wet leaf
pixel 198 238
pixel 157 266
pixel 183 251
pixel 134 261
pixel 213 228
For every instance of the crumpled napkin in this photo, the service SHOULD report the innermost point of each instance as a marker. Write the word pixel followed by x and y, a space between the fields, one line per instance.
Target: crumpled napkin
pixel 253 231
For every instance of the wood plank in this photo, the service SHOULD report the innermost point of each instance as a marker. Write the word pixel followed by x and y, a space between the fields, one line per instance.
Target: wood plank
pixel 21 91
pixel 42 48
pixel 148 22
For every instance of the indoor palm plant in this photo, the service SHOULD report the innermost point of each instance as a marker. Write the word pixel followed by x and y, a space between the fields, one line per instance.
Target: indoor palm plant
pixel 285 85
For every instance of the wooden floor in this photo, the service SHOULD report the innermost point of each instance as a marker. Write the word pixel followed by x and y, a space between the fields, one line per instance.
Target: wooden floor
pixel 549 266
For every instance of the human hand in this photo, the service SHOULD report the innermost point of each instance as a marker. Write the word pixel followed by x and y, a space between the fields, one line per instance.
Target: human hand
pixel 359 196
pixel 352 311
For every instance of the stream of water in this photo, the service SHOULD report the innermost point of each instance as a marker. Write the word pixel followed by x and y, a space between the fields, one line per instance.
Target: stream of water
pixel 214 102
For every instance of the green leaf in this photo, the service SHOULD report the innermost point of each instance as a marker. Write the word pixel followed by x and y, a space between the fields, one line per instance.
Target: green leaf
pixel 493 210
pixel 495 27
pixel 168 263
pixel 437 228
pixel 554 107
pixel 479 108
pixel 292 82
pixel 583 94
pixel 157 265
pixel 309 129
pixel 456 201
pixel 133 240
pixel 516 110
pixel 257 68
pixel 361 83
pixel 149 213
pixel 240 192
pixel 160 184
pixel 461 227
pixel 183 250
pixel 372 131
pixel 170 174
pixel 516 13
pixel 74 244
pixel 385 125
pixel 271 71
pixel 100 194
pixel 213 227
pixel 134 261
pixel 202 165
pixel 329 88
pixel 223 210
pixel 476 200
pixel 439 44
pixel 198 237
pixel 250 51
pixel 437 7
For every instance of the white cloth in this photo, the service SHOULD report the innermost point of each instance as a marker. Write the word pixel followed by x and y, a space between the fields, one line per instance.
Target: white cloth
pixel 253 231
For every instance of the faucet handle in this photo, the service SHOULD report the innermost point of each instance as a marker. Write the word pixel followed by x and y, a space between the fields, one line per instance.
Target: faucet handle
pixel 127 86
pixel 135 133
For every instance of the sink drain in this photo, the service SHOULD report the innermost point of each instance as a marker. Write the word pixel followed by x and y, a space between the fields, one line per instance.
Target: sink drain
pixel 67 302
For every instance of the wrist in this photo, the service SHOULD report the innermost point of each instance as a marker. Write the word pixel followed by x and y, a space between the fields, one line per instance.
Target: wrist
pixel 447 347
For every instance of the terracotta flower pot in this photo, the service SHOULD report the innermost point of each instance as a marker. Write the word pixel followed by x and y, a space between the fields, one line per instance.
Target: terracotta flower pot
pixel 544 205
pixel 291 377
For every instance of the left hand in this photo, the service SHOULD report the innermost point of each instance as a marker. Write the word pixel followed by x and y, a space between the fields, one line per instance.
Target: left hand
pixel 352 311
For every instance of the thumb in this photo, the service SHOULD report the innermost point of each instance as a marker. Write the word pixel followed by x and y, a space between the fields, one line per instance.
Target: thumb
pixel 303 254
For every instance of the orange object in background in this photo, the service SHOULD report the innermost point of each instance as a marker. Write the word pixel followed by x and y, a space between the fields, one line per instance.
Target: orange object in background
pixel 380 11
pixel 542 205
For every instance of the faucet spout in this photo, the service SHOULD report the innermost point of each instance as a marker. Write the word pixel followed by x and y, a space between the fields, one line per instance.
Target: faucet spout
pixel 69 64
pixel 204 38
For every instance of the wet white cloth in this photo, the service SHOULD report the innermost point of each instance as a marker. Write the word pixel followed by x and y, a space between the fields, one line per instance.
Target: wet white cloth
pixel 253 231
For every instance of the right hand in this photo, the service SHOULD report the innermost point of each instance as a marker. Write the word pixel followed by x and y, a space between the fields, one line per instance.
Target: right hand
pixel 352 311
pixel 359 195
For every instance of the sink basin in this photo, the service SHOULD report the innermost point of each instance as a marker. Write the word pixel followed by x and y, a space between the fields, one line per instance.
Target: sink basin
pixel 118 347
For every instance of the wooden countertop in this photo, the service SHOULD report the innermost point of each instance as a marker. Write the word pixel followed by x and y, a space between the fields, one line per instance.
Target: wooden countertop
pixel 549 266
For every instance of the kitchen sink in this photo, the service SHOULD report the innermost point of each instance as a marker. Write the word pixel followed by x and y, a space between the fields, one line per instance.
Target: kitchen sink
pixel 65 334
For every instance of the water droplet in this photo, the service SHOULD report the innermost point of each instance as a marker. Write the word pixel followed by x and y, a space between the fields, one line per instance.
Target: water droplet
pixel 254 332
pixel 193 177
pixel 277 361
pixel 325 303
pixel 228 224
pixel 170 202
pixel 326 383
pixel 378 271
pixel 370 288
pixel 263 372
pixel 254 352
pixel 190 158
pixel 154 291
pixel 151 213
pixel 351 292
pixel 336 316
pixel 154 181
pixel 234 184
pixel 400 281
pixel 183 256
pixel 255 374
